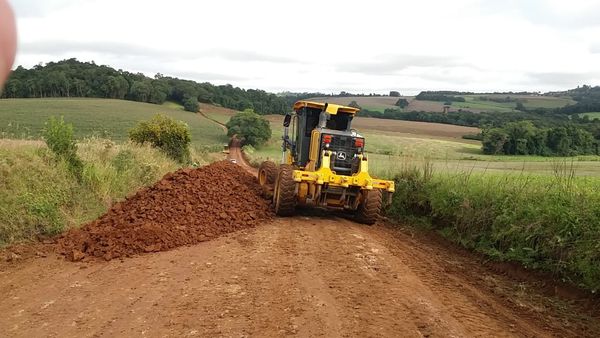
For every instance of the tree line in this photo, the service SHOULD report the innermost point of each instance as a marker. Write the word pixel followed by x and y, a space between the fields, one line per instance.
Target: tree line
pixel 72 78
pixel 524 138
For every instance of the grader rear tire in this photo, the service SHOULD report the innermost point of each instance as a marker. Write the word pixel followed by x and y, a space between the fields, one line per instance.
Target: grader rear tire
pixel 267 173
pixel 369 209
pixel 284 196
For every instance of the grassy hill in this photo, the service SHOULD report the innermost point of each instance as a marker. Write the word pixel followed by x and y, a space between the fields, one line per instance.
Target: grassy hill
pixel 25 118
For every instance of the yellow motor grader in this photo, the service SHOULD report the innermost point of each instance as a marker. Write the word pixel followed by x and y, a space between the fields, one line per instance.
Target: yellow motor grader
pixel 324 164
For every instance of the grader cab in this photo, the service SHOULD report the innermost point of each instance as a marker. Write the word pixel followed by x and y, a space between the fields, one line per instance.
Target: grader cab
pixel 324 164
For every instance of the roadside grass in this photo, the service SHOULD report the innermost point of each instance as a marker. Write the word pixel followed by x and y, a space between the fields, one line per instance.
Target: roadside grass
pixel 41 197
pixel 545 222
pixel 25 118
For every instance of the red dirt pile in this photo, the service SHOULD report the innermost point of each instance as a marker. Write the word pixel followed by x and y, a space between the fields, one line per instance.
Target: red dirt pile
pixel 184 207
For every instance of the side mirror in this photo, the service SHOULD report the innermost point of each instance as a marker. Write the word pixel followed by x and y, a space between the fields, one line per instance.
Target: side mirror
pixel 286 120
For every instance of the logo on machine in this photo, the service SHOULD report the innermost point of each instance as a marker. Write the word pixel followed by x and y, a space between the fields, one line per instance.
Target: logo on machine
pixel 341 156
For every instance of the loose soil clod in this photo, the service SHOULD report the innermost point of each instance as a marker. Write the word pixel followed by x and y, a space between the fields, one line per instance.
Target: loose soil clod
pixel 184 207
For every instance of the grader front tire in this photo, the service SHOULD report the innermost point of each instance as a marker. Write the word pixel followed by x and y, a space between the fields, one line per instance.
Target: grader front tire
pixel 284 196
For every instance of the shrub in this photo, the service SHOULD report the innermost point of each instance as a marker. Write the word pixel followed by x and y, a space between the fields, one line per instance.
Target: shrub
pixel 402 103
pixel 166 134
pixel 191 104
pixel 252 128
pixel 59 138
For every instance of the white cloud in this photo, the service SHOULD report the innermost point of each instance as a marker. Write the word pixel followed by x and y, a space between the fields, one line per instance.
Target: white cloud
pixel 325 45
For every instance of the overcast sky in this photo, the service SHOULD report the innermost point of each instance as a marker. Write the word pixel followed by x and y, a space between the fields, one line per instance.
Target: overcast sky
pixel 328 46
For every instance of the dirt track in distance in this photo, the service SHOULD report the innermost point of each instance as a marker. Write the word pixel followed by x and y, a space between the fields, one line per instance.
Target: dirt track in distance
pixel 314 274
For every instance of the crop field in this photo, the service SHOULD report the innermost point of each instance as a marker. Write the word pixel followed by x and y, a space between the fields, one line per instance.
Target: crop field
pixel 25 118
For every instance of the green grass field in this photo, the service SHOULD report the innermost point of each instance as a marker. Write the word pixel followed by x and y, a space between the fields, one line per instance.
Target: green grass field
pixel 474 103
pixel 25 118
pixel 595 115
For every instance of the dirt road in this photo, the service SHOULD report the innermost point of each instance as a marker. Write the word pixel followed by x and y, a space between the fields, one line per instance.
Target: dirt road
pixel 305 276
pixel 235 153
pixel 311 275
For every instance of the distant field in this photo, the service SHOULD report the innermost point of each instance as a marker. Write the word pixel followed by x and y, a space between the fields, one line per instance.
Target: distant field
pixel 547 102
pixel 391 143
pixel 473 103
pixel 595 115
pixel 25 118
